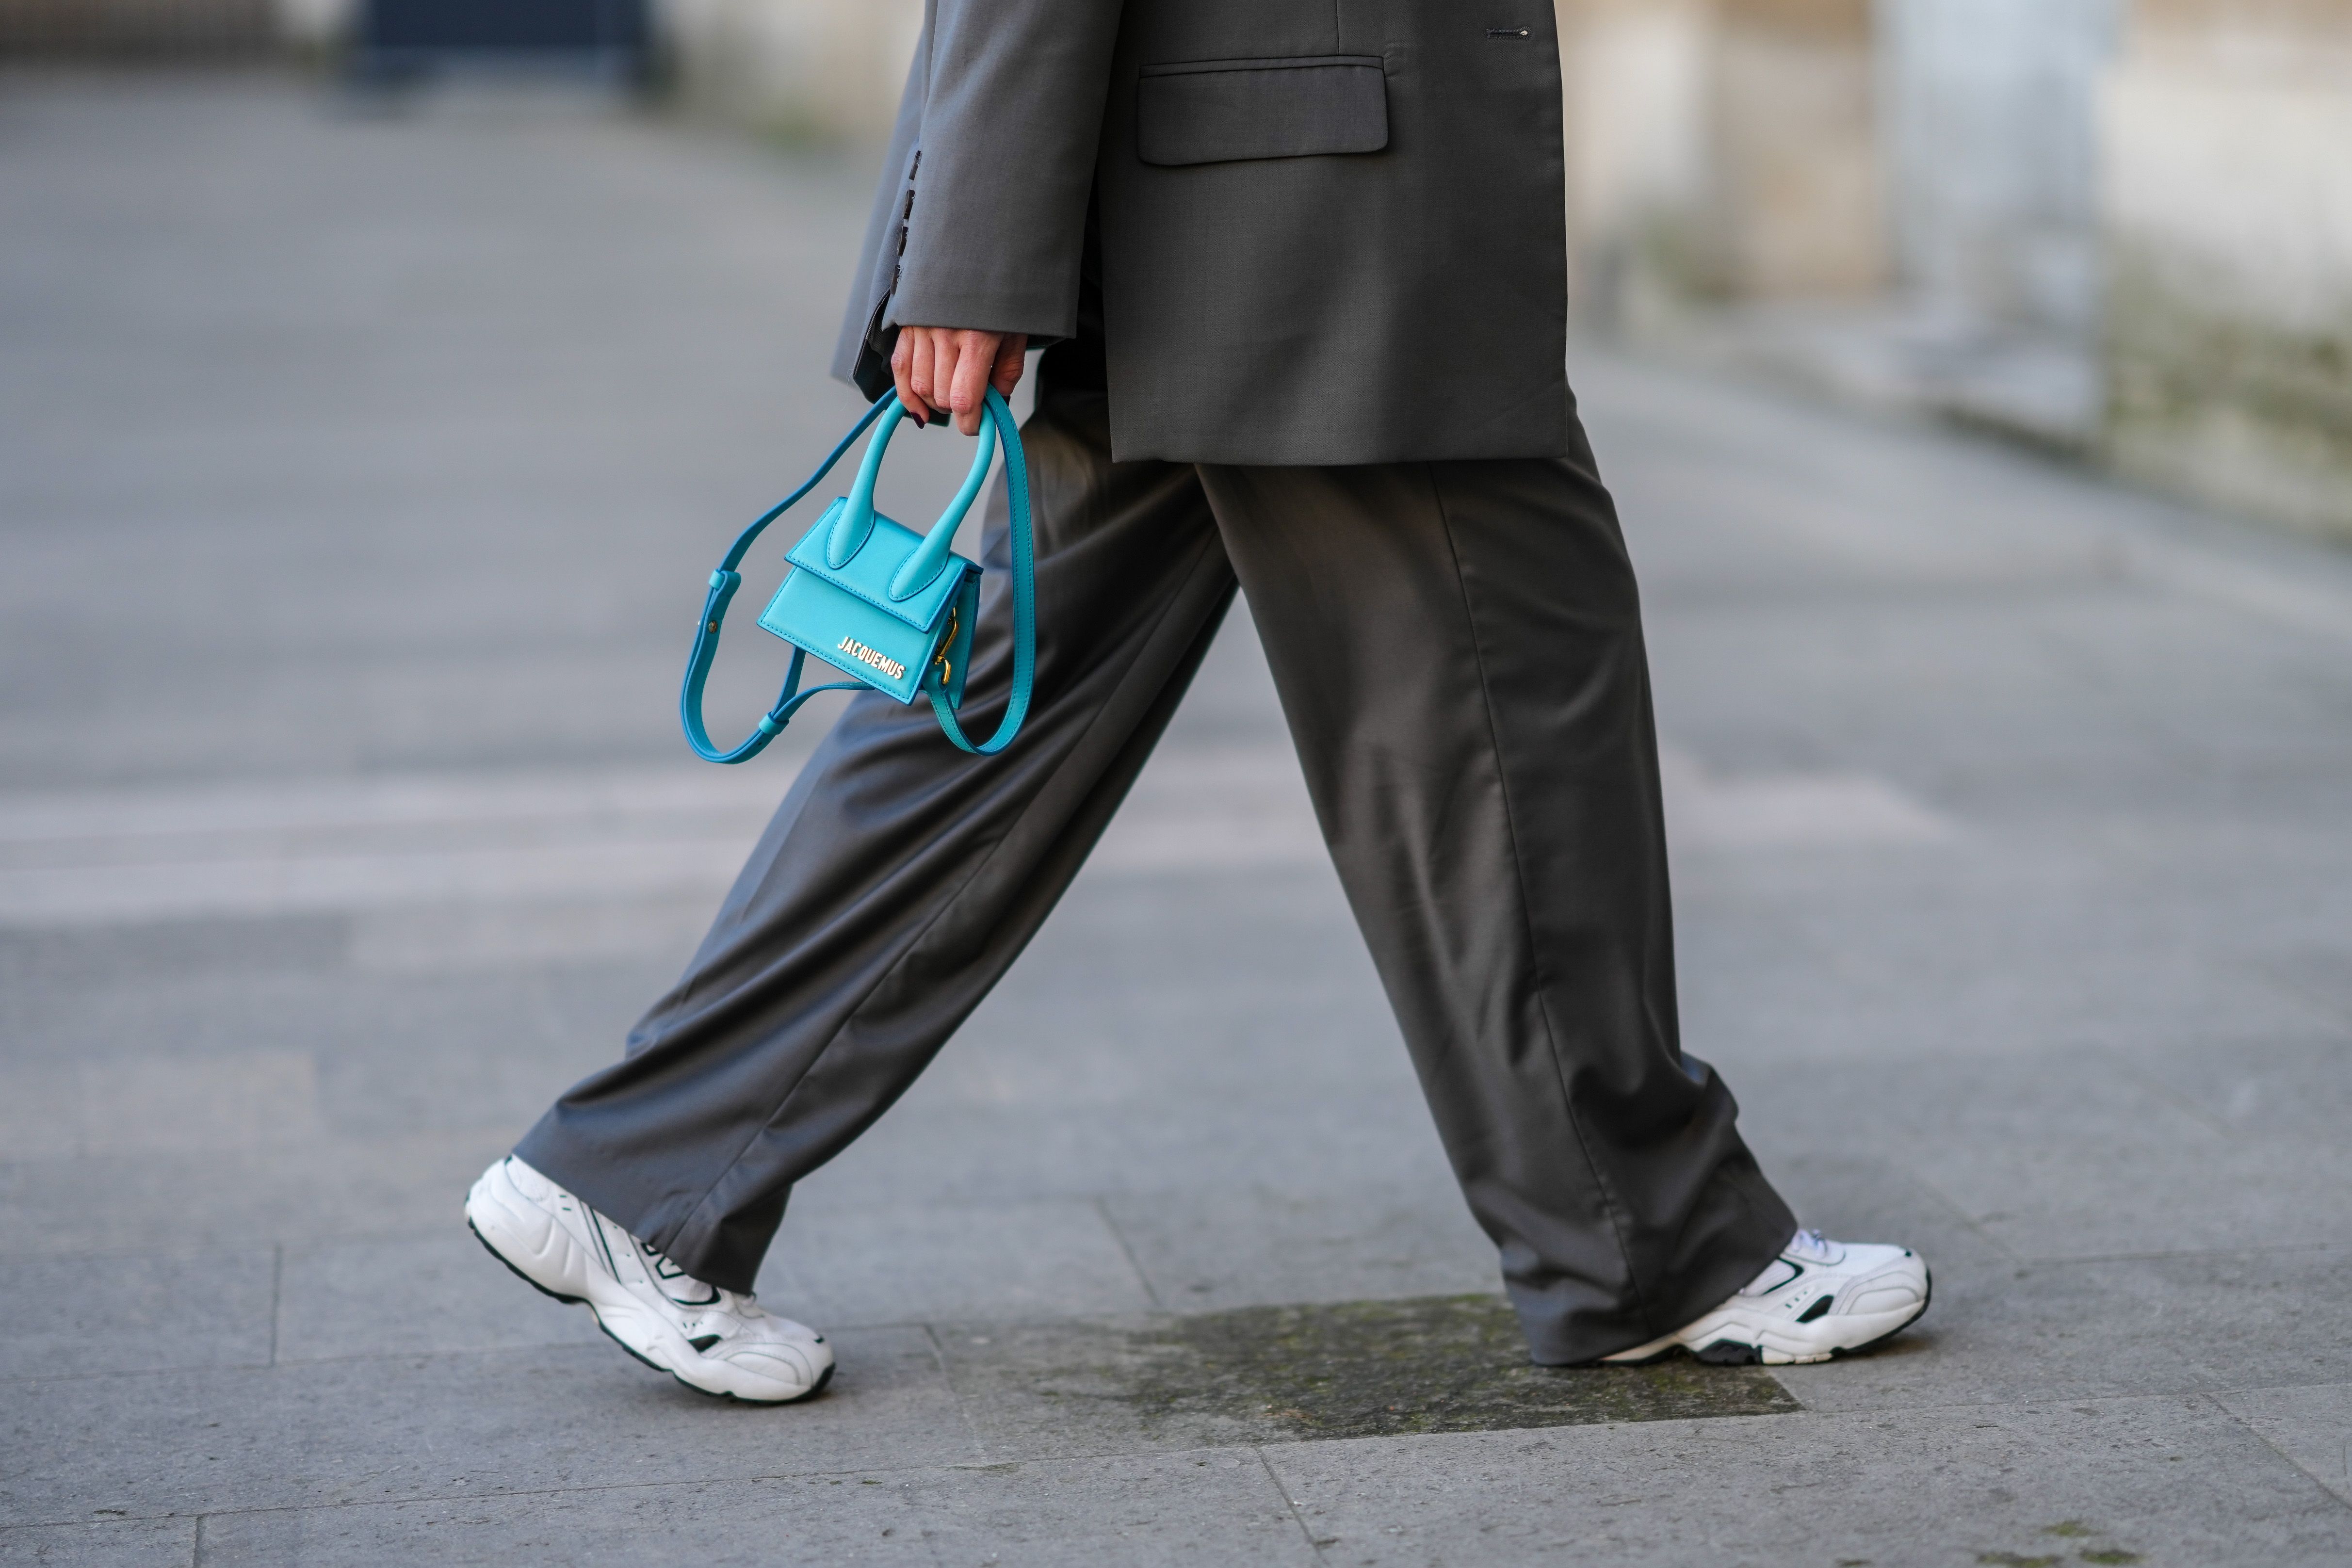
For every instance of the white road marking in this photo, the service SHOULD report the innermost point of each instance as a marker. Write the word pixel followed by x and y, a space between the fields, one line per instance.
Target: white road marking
pixel 436 801
pixel 328 846
pixel 574 839
pixel 1790 811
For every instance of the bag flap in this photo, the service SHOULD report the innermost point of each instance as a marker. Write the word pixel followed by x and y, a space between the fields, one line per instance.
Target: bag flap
pixel 867 573
pixel 1218 111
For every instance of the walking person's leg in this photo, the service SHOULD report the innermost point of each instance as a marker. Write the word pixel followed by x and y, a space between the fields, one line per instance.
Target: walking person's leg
pixel 1458 649
pixel 897 881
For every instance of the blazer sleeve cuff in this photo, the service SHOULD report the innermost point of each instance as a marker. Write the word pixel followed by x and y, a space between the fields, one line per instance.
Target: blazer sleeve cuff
pixel 1043 318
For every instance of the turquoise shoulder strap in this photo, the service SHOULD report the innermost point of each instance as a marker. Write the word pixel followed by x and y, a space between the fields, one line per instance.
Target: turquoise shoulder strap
pixel 727 579
pixel 1024 596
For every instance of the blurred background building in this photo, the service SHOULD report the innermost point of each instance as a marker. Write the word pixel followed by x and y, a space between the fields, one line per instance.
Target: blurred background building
pixel 2120 228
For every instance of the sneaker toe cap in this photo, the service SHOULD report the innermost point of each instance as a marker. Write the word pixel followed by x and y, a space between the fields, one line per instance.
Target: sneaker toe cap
pixel 1885 1296
pixel 1896 1281
pixel 785 1367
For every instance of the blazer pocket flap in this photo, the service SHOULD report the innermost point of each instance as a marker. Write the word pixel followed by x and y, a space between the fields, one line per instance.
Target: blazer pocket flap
pixel 1219 112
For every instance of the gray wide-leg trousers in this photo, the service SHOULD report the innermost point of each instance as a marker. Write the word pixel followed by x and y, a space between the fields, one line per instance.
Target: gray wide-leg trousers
pixel 1458 649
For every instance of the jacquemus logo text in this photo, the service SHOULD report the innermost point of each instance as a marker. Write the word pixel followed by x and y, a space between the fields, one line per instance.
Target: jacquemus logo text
pixel 866 655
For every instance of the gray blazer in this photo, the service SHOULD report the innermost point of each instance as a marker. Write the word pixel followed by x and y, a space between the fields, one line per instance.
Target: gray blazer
pixel 1331 230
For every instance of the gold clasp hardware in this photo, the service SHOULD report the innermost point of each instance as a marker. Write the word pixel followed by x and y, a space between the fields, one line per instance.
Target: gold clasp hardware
pixel 947 666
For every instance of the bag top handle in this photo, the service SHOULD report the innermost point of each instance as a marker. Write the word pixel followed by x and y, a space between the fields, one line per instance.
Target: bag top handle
pixel 855 526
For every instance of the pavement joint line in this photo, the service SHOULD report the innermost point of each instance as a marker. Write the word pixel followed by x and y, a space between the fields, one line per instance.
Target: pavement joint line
pixel 2267 1387
pixel 277 1295
pixel 2060 1259
pixel 1289 1502
pixel 1143 1277
pixel 947 1377
pixel 2186 1105
pixel 2213 1397
pixel 1974 1226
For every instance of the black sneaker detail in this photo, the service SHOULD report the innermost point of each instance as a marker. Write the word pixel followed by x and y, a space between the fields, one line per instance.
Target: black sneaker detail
pixel 664 1271
pixel 703 1342
pixel 603 1244
pixel 1817 1310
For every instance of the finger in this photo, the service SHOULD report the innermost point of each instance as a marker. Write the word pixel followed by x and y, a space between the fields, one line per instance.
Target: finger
pixel 1011 356
pixel 976 360
pixel 946 356
pixel 947 361
pixel 902 359
pixel 941 345
pixel 921 369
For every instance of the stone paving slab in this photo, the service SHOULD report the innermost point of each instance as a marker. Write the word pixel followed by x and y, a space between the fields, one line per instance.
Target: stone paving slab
pixel 2071 1154
pixel 380 1429
pixel 1049 1257
pixel 1169 1510
pixel 1999 944
pixel 2168 1483
pixel 125 1543
pixel 386 1186
pixel 149 1310
pixel 1204 1249
pixel 426 1294
pixel 2288 1087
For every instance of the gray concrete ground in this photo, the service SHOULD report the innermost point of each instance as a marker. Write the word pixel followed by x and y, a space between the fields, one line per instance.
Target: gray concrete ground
pixel 359 475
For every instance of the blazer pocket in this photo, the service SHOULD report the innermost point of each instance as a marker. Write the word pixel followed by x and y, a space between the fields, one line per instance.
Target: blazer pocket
pixel 1221 111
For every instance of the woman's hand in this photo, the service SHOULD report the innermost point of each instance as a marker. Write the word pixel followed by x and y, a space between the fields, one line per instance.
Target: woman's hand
pixel 949 369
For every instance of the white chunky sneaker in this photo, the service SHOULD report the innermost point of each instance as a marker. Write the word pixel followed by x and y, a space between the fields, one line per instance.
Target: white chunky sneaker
pixel 1818 1299
pixel 711 1340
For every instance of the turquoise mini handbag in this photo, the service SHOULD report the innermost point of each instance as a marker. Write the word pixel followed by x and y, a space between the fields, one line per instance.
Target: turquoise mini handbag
pixel 894 608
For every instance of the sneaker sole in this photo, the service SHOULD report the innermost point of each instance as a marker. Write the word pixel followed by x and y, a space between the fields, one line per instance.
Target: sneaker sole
pixel 1734 1353
pixel 813 1389
pixel 1731 1352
